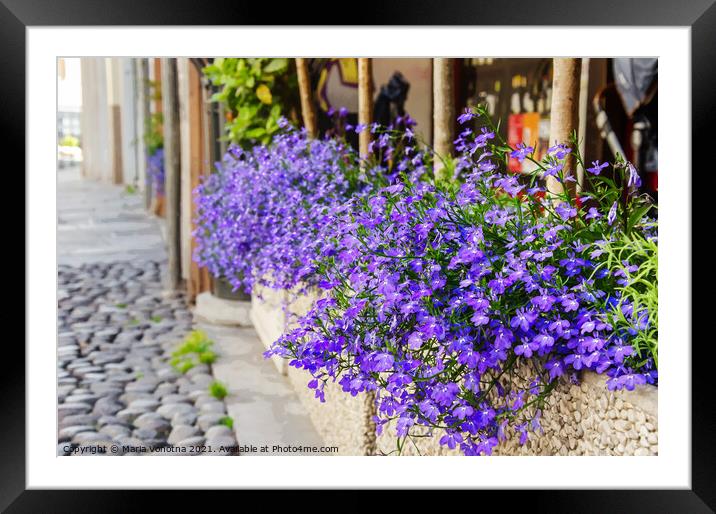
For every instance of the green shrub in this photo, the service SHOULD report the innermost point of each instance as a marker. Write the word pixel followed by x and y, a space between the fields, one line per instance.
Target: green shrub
pixel 255 93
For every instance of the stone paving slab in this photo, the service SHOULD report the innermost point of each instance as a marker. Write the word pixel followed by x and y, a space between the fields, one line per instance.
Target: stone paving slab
pixel 98 222
pixel 262 402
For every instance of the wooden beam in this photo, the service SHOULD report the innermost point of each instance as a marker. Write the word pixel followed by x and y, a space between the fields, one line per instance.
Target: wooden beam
pixel 196 283
pixel 308 106
pixel 172 164
pixel 116 114
pixel 365 102
pixel 565 115
pixel 443 111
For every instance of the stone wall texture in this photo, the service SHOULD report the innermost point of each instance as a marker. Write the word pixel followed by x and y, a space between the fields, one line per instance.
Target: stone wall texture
pixel 584 419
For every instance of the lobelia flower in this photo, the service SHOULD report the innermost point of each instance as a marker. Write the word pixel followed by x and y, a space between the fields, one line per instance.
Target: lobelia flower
pixel 612 216
pixel 435 291
pixel 634 179
pixel 521 152
pixel 597 168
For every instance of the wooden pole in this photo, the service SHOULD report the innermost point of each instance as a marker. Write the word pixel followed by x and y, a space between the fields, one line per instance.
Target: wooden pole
pixel 308 108
pixel 143 85
pixel 443 111
pixel 565 114
pixel 365 102
pixel 172 160
pixel 583 109
pixel 195 284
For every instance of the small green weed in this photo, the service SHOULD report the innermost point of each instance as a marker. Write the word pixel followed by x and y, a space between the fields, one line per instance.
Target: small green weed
pixel 195 349
pixel 218 390
pixel 227 421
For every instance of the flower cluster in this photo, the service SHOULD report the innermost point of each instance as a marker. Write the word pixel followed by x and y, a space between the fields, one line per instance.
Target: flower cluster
pixel 438 295
pixel 261 215
pixel 155 170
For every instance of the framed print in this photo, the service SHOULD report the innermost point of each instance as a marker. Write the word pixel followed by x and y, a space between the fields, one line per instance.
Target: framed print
pixel 412 249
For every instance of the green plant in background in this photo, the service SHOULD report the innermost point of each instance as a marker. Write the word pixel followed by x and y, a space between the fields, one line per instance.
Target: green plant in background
pixel 256 93
pixel 634 259
pixel 227 421
pixel 156 319
pixel 153 132
pixel 195 349
pixel 69 140
pixel 218 390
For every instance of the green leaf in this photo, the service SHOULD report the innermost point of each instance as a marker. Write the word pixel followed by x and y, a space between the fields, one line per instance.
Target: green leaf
pixel 276 65
pixel 637 214
pixel 256 133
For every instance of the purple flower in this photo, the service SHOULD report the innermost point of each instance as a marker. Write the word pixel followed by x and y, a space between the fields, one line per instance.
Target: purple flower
pixel 634 180
pixel 466 116
pixel 597 168
pixel 521 152
pixel 565 211
pixel 612 216
pixel 451 440
pixel 382 362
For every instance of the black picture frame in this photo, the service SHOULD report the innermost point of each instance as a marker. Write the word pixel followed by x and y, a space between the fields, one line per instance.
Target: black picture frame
pixel 699 15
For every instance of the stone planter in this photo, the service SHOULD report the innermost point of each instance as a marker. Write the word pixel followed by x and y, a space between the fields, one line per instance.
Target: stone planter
pixel 269 319
pixel 342 420
pixel 221 288
pixel 584 419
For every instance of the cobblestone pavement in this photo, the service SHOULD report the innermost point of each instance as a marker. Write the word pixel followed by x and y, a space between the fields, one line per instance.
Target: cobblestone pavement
pixel 117 329
pixel 117 391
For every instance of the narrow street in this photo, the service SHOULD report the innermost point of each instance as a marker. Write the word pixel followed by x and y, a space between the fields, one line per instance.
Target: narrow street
pixel 118 393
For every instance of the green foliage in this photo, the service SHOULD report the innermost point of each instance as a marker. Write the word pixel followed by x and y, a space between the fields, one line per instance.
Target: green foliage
pixel 121 305
pixel 153 138
pixel 156 319
pixel 227 421
pixel 218 390
pixel 641 289
pixel 195 349
pixel 255 93
pixel 153 131
pixel 130 189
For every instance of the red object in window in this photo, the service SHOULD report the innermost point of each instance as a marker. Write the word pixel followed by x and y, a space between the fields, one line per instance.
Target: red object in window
pixel 514 137
pixel 578 201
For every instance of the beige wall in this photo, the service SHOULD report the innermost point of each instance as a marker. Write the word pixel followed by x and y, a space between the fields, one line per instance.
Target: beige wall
pixel 418 72
pixel 95 120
